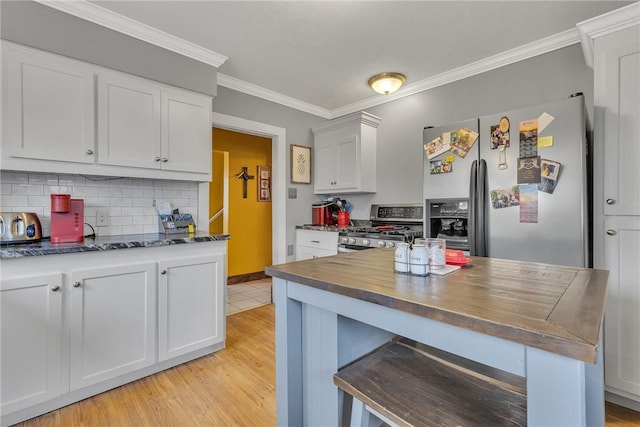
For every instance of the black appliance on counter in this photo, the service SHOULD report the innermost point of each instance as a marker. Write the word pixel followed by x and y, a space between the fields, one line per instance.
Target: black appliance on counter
pixel 448 219
pixel 390 224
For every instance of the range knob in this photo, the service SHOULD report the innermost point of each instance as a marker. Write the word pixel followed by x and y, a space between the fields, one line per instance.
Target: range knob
pixel 344 239
pixel 366 242
pixel 391 245
pixel 381 244
pixel 352 241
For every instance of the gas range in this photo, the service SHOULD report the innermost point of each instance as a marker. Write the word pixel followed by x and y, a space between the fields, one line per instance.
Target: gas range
pixel 390 224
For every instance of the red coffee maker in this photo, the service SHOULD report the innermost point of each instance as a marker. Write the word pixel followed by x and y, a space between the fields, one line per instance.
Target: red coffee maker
pixel 67 219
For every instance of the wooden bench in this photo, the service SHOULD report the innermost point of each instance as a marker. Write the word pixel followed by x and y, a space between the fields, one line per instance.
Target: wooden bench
pixel 405 383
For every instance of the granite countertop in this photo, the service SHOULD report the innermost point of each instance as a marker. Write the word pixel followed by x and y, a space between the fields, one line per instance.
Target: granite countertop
pixel 558 309
pixel 105 243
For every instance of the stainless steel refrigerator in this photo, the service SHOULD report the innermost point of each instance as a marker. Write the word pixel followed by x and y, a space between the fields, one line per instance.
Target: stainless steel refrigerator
pixel 525 177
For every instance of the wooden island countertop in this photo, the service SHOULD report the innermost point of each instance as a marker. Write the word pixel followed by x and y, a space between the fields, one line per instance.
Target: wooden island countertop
pixel 539 322
pixel 554 308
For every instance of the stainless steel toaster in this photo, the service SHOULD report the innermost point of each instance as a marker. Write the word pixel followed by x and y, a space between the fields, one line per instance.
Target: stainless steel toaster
pixel 19 227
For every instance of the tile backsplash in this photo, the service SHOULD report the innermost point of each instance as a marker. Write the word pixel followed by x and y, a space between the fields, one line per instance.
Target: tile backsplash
pixel 128 201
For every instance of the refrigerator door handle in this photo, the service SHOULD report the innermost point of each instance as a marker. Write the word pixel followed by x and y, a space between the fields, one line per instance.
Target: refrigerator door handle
pixel 481 206
pixel 471 221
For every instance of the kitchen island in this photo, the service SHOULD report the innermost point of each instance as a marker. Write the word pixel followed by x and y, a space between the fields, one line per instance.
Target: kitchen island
pixel 538 321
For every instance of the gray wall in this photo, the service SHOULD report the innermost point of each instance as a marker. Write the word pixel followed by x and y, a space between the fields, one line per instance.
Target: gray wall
pixel 42 27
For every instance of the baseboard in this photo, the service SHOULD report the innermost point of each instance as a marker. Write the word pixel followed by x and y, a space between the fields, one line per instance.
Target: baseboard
pixel 242 278
pixel 622 401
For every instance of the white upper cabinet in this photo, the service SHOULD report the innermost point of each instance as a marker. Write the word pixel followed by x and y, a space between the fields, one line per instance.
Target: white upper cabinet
pixel 345 155
pixel 143 128
pixel 186 123
pixel 48 106
pixel 618 98
pixel 129 121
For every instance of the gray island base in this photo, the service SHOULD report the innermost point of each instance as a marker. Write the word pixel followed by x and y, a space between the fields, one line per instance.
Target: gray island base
pixel 540 322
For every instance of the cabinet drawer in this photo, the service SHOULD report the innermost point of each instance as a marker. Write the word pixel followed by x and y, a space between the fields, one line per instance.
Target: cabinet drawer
pixel 317 239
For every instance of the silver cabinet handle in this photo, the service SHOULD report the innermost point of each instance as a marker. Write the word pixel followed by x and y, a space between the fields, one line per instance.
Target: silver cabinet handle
pixel 89 152
pixel 611 201
pixel 77 284
pixel 611 232
pixel 163 272
pixel 55 288
pixel 165 160
pixel 156 158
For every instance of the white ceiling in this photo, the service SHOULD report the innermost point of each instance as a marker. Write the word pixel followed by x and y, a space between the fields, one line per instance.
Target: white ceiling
pixel 322 53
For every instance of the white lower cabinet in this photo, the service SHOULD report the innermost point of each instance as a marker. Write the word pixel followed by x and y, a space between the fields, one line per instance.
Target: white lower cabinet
pixel 622 339
pixel 315 244
pixel 78 332
pixel 189 317
pixel 31 360
pixel 112 322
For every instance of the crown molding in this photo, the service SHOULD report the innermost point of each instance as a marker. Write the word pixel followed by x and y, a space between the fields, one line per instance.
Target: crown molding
pixel 604 24
pixel 98 15
pixel 270 95
pixel 530 50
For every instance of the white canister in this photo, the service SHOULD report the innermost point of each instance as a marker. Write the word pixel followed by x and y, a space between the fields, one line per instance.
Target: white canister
pixel 401 264
pixel 419 259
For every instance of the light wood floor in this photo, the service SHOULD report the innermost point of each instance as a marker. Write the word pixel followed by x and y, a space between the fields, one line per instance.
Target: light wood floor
pixel 233 387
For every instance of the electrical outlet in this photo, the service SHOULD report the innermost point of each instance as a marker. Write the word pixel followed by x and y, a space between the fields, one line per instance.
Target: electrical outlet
pixel 102 217
pixel 293 193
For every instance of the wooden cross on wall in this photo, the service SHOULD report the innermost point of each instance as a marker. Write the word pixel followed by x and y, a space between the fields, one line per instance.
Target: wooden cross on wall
pixel 244 175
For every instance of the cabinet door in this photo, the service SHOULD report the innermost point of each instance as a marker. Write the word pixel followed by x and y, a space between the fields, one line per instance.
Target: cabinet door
pixel 112 322
pixel 49 110
pixel 622 349
pixel 325 168
pixel 190 304
pixel 186 132
pixel 617 70
pixel 348 163
pixel 128 121
pixel 31 347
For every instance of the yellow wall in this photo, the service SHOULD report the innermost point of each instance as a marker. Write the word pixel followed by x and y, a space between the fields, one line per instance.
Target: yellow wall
pixel 249 220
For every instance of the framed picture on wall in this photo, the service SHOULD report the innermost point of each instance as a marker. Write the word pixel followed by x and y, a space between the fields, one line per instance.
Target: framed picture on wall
pixel 264 184
pixel 300 164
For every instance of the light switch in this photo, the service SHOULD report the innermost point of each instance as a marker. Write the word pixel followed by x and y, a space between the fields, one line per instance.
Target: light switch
pixel 293 193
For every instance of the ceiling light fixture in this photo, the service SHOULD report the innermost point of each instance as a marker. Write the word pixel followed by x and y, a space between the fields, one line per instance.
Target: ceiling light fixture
pixel 387 83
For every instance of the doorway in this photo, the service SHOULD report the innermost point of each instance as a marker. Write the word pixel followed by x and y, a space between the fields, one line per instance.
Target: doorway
pixel 242 162
pixel 278 179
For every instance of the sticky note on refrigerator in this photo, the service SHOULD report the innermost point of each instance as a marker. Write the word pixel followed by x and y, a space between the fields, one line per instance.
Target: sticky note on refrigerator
pixel 544 120
pixel 545 141
pixel 449 159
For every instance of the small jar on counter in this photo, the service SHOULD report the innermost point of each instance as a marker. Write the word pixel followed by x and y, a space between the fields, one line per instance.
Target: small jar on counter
pixel 401 263
pixel 419 260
